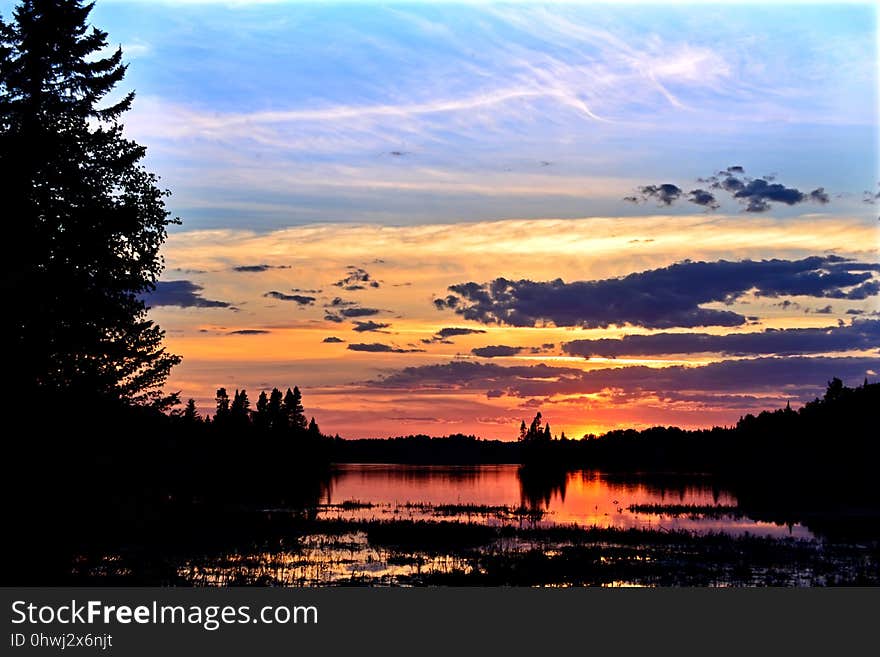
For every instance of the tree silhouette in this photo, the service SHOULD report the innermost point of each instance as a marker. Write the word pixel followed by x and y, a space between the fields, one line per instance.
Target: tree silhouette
pixel 190 415
pixel 261 417
pixel 275 411
pixel 221 413
pixel 295 411
pixel 86 218
pixel 239 410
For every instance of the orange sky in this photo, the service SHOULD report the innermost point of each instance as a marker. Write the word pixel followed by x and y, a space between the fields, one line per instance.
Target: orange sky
pixel 412 265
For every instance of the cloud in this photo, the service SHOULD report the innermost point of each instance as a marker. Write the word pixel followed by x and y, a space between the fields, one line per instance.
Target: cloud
pixel 184 294
pixel 758 194
pixel 356 279
pixel 298 298
pixel 704 198
pixel 370 325
pixel 444 334
pixel 755 194
pixel 376 347
pixel 496 351
pixel 860 335
pixel 332 339
pixel 799 376
pixel 247 269
pixel 359 312
pixel 665 194
pixel 249 332
pixel 658 298
pixel 339 309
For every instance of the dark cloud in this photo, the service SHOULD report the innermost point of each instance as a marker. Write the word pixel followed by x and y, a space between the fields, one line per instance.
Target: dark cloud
pixel 247 269
pixel 665 194
pixel 297 298
pixel 450 301
pixel 332 339
pixel 782 342
pixel 370 325
pixel 376 347
pixel 359 312
pixel 802 377
pixel 451 331
pixel 704 198
pixel 496 351
pixel 658 298
pixel 330 317
pixel 819 195
pixel 184 294
pixel 755 194
pixel 443 335
pixel 339 302
pixel 356 278
pixel 249 332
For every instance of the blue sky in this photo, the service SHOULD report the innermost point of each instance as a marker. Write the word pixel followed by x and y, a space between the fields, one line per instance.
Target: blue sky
pixel 272 114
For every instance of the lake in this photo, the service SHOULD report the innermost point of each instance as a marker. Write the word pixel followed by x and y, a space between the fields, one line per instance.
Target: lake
pixel 500 493
pixel 375 524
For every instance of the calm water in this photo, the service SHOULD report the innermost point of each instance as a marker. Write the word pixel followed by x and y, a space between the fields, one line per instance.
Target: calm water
pixel 393 552
pixel 489 493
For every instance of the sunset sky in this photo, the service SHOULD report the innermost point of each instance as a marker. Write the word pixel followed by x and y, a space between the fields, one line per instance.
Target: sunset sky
pixel 444 218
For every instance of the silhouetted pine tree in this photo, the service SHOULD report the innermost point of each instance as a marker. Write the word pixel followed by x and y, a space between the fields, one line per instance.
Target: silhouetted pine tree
pixel 276 411
pixel 85 217
pixel 190 414
pixel 221 414
pixel 239 410
pixel 261 417
pixel 295 411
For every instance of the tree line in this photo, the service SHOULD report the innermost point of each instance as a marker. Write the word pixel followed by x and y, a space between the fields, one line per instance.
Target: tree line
pixel 275 413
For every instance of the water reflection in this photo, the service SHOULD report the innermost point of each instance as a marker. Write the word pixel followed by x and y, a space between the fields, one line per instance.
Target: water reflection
pixel 551 495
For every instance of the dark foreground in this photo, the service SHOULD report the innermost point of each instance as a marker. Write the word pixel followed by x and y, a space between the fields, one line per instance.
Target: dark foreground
pixel 288 548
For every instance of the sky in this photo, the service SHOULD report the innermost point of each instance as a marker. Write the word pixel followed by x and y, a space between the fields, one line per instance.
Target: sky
pixel 443 218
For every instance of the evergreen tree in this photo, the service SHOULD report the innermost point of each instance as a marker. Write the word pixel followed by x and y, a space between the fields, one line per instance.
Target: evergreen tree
pixel 190 414
pixel 535 428
pixel 221 414
pixel 295 411
pixel 261 418
pixel 523 432
pixel 314 431
pixel 238 412
pixel 85 217
pixel 276 413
